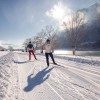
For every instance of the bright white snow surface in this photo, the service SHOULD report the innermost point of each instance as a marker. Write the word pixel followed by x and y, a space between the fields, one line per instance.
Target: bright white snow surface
pixel 76 77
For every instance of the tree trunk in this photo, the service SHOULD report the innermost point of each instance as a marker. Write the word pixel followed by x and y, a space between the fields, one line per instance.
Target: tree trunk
pixel 74 50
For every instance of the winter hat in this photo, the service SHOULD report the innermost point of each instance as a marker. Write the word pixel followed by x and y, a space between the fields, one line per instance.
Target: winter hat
pixel 48 40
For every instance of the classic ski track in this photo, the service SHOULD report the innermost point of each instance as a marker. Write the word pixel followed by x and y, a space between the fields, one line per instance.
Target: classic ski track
pixel 50 86
pixel 65 86
pixel 82 87
pixel 68 87
pixel 22 94
pixel 75 66
pixel 83 76
pixel 93 78
pixel 46 83
pixel 85 79
pixel 73 84
pixel 77 84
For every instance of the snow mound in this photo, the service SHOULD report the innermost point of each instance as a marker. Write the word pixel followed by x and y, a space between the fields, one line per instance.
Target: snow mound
pixel 5 74
pixel 81 59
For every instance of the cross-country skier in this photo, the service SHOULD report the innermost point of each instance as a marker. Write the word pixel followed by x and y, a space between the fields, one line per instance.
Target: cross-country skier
pixel 48 47
pixel 30 49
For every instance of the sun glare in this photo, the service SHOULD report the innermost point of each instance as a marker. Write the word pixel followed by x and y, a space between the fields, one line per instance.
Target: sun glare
pixel 57 12
pixel 60 12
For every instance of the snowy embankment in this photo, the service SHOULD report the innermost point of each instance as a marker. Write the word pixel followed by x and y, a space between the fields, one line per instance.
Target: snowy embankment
pixel 76 78
pixel 7 76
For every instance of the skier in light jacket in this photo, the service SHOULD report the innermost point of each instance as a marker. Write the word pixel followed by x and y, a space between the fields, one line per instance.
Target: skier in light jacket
pixel 48 47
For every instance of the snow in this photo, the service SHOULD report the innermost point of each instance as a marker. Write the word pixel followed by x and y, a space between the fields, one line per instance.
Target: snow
pixel 75 78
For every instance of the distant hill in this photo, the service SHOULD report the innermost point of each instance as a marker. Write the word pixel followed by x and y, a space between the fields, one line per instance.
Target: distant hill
pixel 93 22
pixel 91 12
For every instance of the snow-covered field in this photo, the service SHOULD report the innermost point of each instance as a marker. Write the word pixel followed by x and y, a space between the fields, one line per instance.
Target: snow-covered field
pixel 76 77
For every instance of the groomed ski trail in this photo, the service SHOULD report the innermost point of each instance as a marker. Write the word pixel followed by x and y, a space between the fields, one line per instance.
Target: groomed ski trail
pixel 71 82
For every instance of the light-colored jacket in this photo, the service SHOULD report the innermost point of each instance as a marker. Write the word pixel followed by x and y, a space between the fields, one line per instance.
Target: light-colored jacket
pixel 48 47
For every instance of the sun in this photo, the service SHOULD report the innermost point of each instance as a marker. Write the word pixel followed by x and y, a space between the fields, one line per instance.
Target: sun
pixel 60 13
pixel 57 12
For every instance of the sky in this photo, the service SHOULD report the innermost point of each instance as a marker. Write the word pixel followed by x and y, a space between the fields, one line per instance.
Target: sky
pixel 21 19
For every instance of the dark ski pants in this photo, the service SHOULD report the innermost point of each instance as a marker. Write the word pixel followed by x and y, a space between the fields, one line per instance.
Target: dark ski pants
pixel 31 51
pixel 47 58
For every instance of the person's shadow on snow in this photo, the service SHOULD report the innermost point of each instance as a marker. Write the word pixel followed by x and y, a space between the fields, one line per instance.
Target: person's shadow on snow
pixel 20 62
pixel 38 79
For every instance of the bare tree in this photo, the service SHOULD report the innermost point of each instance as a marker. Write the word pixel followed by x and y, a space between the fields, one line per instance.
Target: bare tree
pixel 36 40
pixel 40 38
pixel 75 29
pixel 50 32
